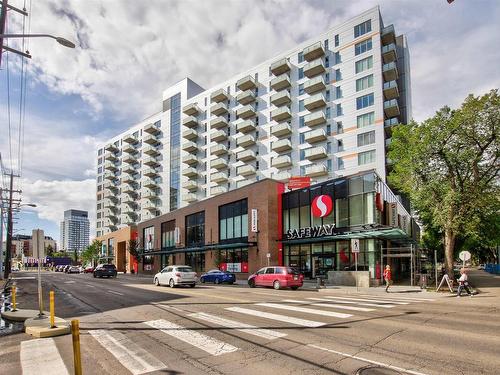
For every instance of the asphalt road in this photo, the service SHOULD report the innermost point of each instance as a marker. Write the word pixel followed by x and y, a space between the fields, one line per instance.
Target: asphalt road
pixel 129 325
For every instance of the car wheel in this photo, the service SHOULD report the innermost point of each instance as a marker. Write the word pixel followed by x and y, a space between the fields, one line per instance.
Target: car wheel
pixel 251 283
pixel 171 283
pixel 157 283
pixel 276 285
pixel 217 281
pixel 202 280
pixel 192 285
pixel 295 287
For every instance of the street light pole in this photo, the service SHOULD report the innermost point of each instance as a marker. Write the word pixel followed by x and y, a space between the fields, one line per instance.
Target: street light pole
pixel 9 230
pixel 63 41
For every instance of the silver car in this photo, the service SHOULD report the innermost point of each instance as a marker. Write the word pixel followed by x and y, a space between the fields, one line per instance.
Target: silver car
pixel 176 275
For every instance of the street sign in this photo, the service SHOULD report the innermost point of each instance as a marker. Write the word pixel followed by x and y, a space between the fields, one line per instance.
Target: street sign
pixel 254 221
pixel 268 255
pixel 38 238
pixel 355 245
pixel 464 255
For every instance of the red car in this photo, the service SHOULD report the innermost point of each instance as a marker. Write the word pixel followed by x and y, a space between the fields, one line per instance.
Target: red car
pixel 88 269
pixel 277 277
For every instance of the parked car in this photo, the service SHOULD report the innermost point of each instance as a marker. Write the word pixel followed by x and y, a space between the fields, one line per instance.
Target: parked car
pixel 480 267
pixel 66 268
pixel 277 277
pixel 88 269
pixel 74 269
pixel 108 270
pixel 218 277
pixel 176 275
pixel 59 268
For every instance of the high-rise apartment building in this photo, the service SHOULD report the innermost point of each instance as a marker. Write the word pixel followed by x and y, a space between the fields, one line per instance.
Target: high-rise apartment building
pixel 324 109
pixel 75 230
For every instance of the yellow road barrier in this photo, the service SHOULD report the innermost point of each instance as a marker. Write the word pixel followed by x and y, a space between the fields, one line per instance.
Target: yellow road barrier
pixel 52 325
pixel 75 333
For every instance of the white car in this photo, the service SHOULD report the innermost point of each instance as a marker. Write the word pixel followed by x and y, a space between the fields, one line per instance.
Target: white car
pixel 176 275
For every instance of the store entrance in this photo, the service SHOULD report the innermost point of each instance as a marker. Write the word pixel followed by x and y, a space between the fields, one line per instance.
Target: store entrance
pixel 322 264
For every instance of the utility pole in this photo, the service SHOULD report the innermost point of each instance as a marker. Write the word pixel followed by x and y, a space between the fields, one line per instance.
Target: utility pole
pixel 8 249
pixel 3 21
pixel 1 232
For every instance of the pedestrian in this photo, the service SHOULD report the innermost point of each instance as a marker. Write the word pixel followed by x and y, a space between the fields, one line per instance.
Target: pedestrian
pixel 387 278
pixel 463 283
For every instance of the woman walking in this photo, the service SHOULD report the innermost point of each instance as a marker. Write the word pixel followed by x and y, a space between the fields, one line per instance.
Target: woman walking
pixel 387 278
pixel 463 283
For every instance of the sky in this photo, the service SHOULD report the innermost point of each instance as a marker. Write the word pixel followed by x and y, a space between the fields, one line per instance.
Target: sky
pixel 127 52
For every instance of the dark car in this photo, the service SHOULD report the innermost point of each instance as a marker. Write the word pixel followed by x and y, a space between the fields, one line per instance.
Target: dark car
pixel 218 277
pixel 108 270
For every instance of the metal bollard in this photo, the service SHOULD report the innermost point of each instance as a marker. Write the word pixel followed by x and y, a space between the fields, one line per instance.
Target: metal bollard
pixel 52 324
pixel 75 333
pixel 13 291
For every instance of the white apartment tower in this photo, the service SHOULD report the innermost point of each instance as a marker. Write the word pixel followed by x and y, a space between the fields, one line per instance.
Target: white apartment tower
pixel 75 230
pixel 324 109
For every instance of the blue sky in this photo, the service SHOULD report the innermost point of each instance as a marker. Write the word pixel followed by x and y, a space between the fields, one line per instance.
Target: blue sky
pixel 128 52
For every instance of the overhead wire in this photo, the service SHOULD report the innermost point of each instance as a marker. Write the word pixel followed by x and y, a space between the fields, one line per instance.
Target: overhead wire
pixel 21 98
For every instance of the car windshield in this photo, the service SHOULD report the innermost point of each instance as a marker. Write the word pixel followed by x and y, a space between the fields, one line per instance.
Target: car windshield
pixel 109 266
pixel 184 269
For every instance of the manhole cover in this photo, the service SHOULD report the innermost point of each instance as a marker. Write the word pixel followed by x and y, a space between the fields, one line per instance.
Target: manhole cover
pixel 377 370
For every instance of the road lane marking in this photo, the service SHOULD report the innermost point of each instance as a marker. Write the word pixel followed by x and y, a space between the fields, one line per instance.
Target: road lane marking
pixel 281 318
pixel 128 353
pixel 402 299
pixel 353 303
pixel 69 282
pixel 342 307
pixel 305 310
pixel 242 327
pixel 368 300
pixel 24 278
pixel 40 356
pixel 117 293
pixel 90 285
pixel 367 360
pixel 197 339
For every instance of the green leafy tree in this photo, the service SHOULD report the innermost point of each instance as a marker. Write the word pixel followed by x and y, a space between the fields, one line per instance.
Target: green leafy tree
pixel 92 253
pixel 449 167
pixel 49 250
pixel 133 249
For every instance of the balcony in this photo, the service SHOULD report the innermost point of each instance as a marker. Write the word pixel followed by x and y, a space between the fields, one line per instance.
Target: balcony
pixel 149 194
pixel 218 123
pixel 245 97
pixel 282 145
pixel 129 189
pixel 110 167
pixel 246 155
pixel 150 205
pixel 127 178
pixel 280 67
pixel 151 140
pixel 218 136
pixel 281 114
pixel 218 150
pixel 152 129
pixel 316 170
pixel 189 146
pixel 281 82
pixel 390 71
pixel 151 162
pixel 389 124
pixel 190 172
pixel 128 200
pixel 388 35
pixel 245 126
pixel 313 51
pixel 127 210
pixel 129 158
pixel 111 148
pixel 281 162
pixel 110 176
pixel 314 85
pixel 190 122
pixel 218 163
pixel 315 153
pixel 314 68
pixel 245 141
pixel 108 203
pixel 391 108
pixel 150 172
pixel 190 134
pixel 190 159
pixel 391 90
pixel 129 169
pixel 219 95
pixel 281 98
pixel 246 83
pixel 110 186
pixel 150 183
pixel 315 101
pixel 110 156
pixel 219 109
pixel 190 185
pixel 127 221
pixel 190 197
pixel 281 130
pixel 315 118
pixel 191 109
pixel 219 177
pixel 246 170
pixel 245 112
pixel 151 151
pixel 131 139
pixel 109 213
pixel 129 149
pixel 315 136
pixel 218 190
pixel 389 53
pixel 281 176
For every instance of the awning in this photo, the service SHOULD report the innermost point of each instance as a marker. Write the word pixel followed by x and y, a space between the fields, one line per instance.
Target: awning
pixel 198 248
pixel 393 234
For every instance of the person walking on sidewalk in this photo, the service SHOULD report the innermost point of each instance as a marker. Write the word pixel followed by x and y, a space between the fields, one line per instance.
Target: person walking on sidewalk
pixel 387 278
pixel 463 283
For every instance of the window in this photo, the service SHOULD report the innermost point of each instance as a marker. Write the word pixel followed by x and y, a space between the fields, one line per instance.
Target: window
pixel 338 109
pixel 327 96
pixel 233 221
pixel 239 255
pixel 300 57
pixel 340 128
pixel 364 83
pixel 329 165
pixel 302 121
pixel 148 235
pixel 301 105
pixel 362 65
pixel 168 234
pixel 301 89
pixel 340 145
pixel 326 44
pixel 340 163
pixel 338 75
pixel 361 47
pixel 328 129
pixel 366 138
pixel 328 112
pixel 327 61
pixel 338 92
pixel 302 138
pixel 195 229
pixel 362 28
pixel 327 78
pixel 302 154
pixel 337 42
pixel 366 120
pixel 301 73
pixel 336 58
pixel 366 157
pixel 364 101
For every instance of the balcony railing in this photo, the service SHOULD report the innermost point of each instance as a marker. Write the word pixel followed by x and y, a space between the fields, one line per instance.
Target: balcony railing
pixel 281 82
pixel 218 163
pixel 314 136
pixel 391 108
pixel 131 139
pixel 246 83
pixel 151 139
pixel 190 172
pixel 313 51
pixel 280 67
pixel 219 96
pixel 110 156
pixel 281 98
pixel 111 148
pixel 245 126
pixel 151 162
pixel 391 90
pixel 190 185
pixel 151 151
pixel 388 35
pixel 390 71
pixel 281 130
pixel 150 172
pixel 190 159
pixel 315 101
pixel 246 97
pixel 282 145
pixel 218 150
pixel 190 197
pixel 191 109
pixel 315 118
pixel 246 140
pixel 246 170
pixel 152 129
pixel 219 177
pixel 218 136
pixel 190 122
pixel 246 112
pixel 216 190
pixel 219 109
pixel 314 85
pixel 281 114
pixel 315 153
pixel 218 123
pixel 281 176
pixel 190 134
pixel 389 53
pixel 246 155
pixel 314 68
pixel 316 170
pixel 189 146
pixel 281 162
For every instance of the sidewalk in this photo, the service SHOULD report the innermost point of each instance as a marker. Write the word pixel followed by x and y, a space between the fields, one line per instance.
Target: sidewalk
pixel 485 282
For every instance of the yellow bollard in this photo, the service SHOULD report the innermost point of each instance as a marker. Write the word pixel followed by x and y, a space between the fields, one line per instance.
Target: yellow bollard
pixel 75 333
pixel 52 325
pixel 13 298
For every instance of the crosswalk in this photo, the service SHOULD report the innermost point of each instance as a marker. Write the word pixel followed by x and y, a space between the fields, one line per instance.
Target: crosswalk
pixel 270 321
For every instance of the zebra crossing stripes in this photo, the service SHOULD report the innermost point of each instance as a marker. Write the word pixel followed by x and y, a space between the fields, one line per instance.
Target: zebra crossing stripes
pixel 353 303
pixel 367 300
pixel 40 356
pixel 128 353
pixel 391 297
pixel 330 305
pixel 242 327
pixel 304 310
pixel 278 317
pixel 206 343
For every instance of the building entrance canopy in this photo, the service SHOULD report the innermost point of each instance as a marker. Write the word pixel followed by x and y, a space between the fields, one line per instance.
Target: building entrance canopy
pixel 197 248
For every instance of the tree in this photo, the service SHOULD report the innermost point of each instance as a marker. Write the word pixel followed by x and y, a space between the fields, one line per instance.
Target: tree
pixel 92 253
pixel 49 250
pixel 133 249
pixel 449 167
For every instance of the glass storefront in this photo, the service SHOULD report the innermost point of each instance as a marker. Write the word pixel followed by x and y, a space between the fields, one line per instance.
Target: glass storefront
pixel 196 260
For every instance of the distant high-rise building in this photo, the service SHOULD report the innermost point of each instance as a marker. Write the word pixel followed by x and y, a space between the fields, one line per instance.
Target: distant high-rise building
pixel 75 230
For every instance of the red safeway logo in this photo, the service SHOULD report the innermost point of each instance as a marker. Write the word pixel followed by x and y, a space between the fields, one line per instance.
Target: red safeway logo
pixel 322 206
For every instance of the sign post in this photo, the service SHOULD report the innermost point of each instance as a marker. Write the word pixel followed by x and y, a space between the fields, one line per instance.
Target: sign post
pixel 268 257
pixel 355 251
pixel 464 255
pixel 39 253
